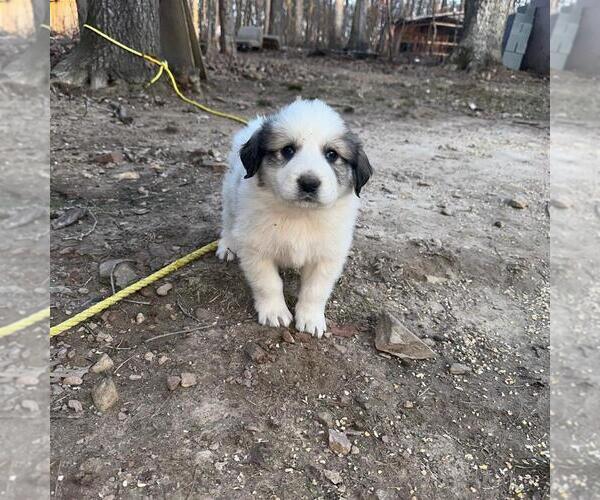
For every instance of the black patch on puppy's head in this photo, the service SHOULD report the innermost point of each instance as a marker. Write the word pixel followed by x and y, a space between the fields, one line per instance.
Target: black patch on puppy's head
pixel 361 168
pixel 253 152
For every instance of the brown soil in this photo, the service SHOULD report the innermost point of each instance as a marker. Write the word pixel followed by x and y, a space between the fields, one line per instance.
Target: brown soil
pixel 478 292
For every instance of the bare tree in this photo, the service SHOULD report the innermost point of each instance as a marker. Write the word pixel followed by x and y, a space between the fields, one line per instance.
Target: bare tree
pixel 483 30
pixel 299 22
pixel 93 60
pixel 136 23
pixel 227 37
pixel 275 17
pixel 358 33
pixel 338 22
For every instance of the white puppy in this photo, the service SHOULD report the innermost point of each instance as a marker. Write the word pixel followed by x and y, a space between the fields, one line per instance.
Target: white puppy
pixel 290 199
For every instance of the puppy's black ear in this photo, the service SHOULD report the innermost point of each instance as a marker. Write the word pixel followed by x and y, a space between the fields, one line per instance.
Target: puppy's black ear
pixel 253 152
pixel 362 170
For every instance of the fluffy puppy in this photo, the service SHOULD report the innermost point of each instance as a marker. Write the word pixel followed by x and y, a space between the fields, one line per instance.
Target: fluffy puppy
pixel 290 199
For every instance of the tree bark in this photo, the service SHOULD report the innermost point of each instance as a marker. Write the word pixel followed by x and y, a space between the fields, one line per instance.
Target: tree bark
pixel 338 23
pixel 481 44
pixel 267 24
pixel 299 22
pixel 276 17
pixel 135 23
pixel 227 38
pixel 358 35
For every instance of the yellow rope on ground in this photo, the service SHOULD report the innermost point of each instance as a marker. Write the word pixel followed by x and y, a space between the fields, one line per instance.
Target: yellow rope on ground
pixel 113 299
pixel 25 322
pixel 131 289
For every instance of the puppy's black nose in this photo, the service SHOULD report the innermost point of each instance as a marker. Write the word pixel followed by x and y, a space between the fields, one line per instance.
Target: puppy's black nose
pixel 308 184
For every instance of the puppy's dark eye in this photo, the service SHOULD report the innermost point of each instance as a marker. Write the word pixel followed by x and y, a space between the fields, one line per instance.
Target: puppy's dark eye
pixel 288 152
pixel 331 155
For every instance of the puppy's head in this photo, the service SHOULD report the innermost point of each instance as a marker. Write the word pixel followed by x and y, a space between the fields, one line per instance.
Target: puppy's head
pixel 306 155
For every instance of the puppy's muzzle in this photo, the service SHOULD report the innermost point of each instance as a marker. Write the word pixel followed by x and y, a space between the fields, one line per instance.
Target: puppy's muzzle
pixel 308 186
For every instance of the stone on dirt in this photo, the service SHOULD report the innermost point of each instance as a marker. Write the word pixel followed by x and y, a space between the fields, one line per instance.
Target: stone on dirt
pixel 105 394
pixel 72 380
pixel 326 418
pixel 173 382
pixel 163 290
pixel 256 353
pixel 104 364
pixel 287 337
pixel 339 442
pixel 75 405
pixel 517 203
pixel 122 271
pixel 333 476
pixel 188 379
pixel 140 318
pixel 393 337
pixel 459 369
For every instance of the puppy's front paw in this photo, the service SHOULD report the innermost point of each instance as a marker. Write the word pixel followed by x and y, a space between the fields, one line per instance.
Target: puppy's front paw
pixel 223 251
pixel 311 320
pixel 273 313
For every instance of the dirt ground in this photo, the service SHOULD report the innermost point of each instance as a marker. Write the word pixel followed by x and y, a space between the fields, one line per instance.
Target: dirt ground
pixel 438 244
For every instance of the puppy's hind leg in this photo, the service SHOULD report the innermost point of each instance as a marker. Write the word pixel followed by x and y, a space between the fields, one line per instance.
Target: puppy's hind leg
pixel 267 289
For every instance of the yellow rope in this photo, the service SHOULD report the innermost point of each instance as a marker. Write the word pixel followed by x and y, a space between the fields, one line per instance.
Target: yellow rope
pixel 164 67
pixel 135 287
pixel 131 289
pixel 25 322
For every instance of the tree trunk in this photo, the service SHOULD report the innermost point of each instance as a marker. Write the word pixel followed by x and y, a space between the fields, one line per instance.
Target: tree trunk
pixel 135 23
pixel 338 23
pixel 226 39
pixel 358 35
pixel 275 17
pixel 267 24
pixel 481 44
pixel 179 43
pixel 299 22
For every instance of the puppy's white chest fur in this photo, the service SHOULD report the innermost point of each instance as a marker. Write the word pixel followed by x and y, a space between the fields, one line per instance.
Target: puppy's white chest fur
pixel 292 236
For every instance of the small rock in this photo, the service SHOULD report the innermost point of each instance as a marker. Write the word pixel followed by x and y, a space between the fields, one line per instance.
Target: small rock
pixel 346 331
pixel 428 341
pixel 517 203
pixel 122 416
pixel 326 418
pixel 162 359
pixel 123 272
pixel 386 439
pixel 334 477
pixel 340 348
pixel 354 450
pixel 149 356
pixel 203 457
pixel 339 442
pixel 393 337
pixel 408 405
pixel 188 379
pixel 140 318
pixel 103 364
pixel 446 211
pixel 104 337
pixel 499 223
pixel 459 369
pixel 163 290
pixel 72 380
pixel 256 353
pixel 286 336
pixel 105 394
pixel 135 376
pixel 106 158
pixel 173 382
pixel 30 405
pixel 75 405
